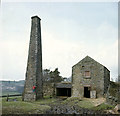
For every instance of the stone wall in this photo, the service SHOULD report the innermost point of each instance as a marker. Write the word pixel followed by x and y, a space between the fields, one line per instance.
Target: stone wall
pixel 48 89
pixel 96 80
pixel 112 96
pixel 63 85
pixel 106 79
pixel 77 89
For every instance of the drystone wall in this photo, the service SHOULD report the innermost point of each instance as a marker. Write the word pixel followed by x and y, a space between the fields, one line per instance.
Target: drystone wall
pixel 112 96
pixel 48 89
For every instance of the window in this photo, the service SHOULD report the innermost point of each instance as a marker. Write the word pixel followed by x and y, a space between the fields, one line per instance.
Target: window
pixel 87 73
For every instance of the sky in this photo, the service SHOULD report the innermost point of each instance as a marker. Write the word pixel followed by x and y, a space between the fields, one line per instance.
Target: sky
pixel 70 31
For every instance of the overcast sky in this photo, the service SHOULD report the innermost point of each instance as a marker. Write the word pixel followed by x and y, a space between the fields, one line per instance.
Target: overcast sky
pixel 70 31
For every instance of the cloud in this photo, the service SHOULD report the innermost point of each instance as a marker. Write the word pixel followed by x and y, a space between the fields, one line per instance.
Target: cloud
pixel 60 1
pixel 60 53
pixel 64 54
pixel 57 52
pixel 14 59
pixel 64 43
pixel 108 56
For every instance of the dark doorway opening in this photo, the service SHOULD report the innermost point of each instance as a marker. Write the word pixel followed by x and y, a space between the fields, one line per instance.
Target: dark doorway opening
pixel 87 92
pixel 64 92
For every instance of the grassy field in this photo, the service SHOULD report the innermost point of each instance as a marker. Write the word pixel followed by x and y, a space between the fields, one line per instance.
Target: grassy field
pixel 17 106
pixel 4 93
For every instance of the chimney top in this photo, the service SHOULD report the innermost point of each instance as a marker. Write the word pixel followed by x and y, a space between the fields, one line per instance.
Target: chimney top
pixel 35 17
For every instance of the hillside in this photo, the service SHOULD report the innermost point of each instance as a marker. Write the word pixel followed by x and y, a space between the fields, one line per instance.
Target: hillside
pixel 12 87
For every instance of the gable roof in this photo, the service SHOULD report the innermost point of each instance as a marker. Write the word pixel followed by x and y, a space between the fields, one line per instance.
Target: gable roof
pixel 88 58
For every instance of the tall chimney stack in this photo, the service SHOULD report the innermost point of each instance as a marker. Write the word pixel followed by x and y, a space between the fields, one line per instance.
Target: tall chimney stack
pixel 33 88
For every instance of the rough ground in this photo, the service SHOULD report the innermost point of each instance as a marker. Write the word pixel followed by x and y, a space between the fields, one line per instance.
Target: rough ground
pixel 67 109
pixel 57 106
pixel 64 107
pixel 97 101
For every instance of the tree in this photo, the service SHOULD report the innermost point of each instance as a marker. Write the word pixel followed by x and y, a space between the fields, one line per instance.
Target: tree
pixel 46 71
pixel 46 75
pixel 55 75
pixel 52 76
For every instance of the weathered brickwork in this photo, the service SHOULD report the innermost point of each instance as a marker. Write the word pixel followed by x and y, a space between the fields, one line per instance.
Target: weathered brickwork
pixel 97 79
pixel 34 64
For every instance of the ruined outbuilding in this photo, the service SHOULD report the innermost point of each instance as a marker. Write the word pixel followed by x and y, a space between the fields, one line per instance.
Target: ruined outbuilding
pixel 89 79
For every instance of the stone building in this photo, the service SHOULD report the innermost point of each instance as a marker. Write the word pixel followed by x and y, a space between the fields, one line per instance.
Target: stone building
pixel 89 79
pixel 57 89
pixel 63 89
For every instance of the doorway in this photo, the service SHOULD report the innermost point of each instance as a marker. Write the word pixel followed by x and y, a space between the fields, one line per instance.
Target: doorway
pixel 87 92
pixel 64 92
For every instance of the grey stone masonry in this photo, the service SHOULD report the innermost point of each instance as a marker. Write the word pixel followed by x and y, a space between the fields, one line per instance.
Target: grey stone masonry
pixel 63 85
pixel 34 64
pixel 90 74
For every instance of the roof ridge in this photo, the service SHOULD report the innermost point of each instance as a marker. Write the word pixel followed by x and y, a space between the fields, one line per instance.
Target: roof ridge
pixel 90 58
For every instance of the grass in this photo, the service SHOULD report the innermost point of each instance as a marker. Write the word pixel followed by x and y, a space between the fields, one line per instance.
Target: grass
pixel 40 106
pixel 80 102
pixel 10 93
pixel 87 103
pixel 23 107
pixel 104 106
pixel 18 98
pixel 19 106
pixel 46 101
pixel 71 100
